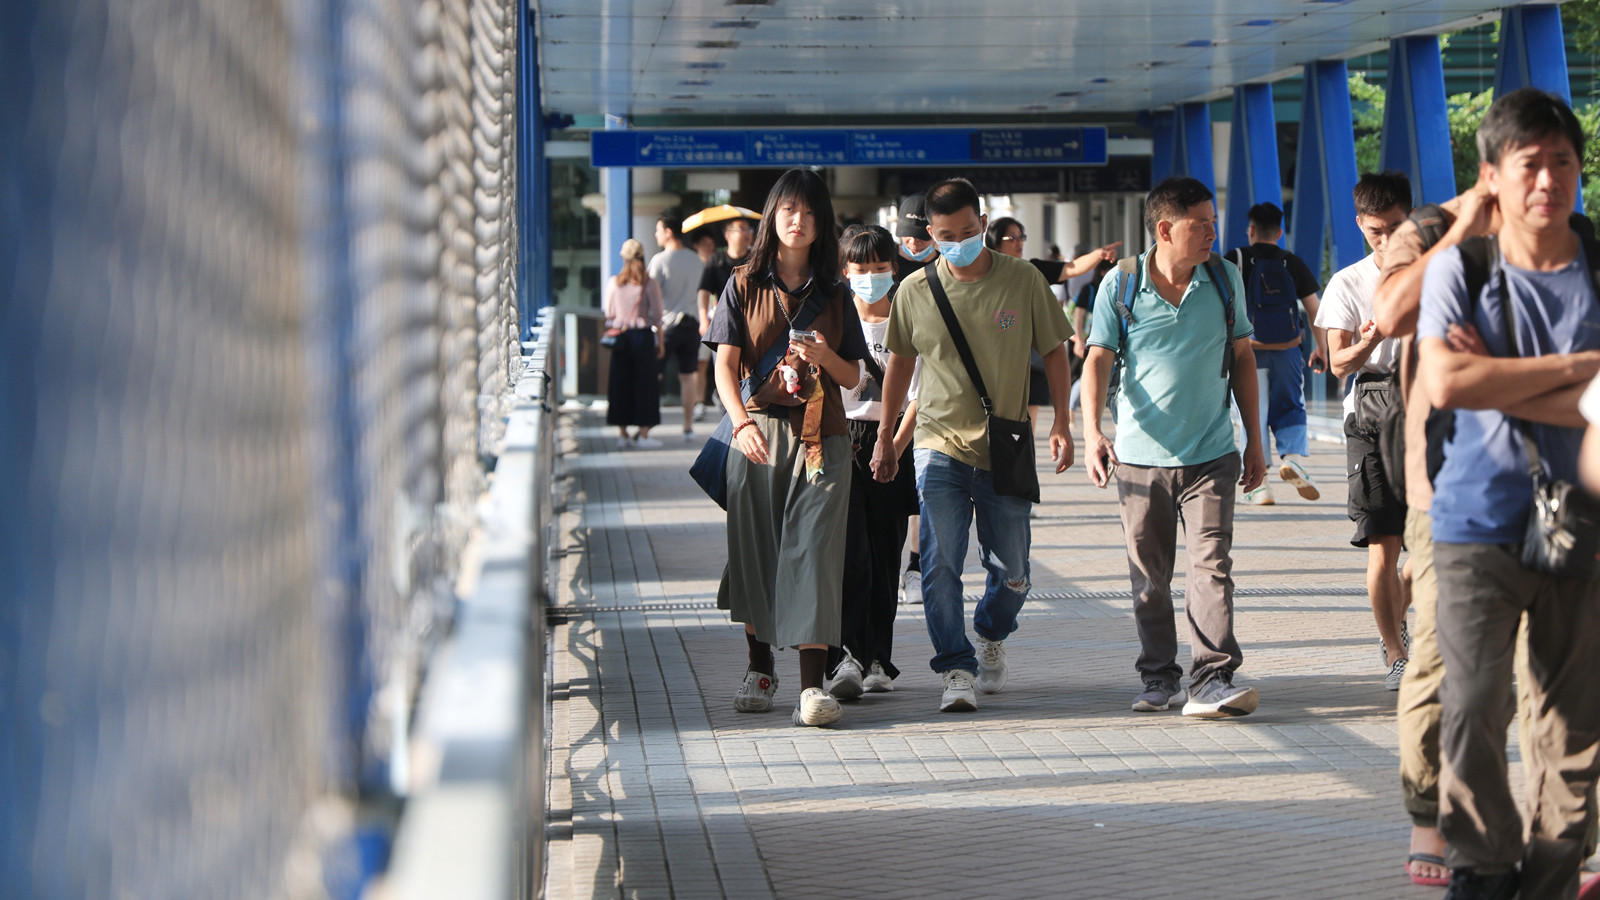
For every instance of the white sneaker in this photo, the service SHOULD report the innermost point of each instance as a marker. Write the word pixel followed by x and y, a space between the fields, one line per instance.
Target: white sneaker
pixel 846 682
pixel 958 693
pixel 991 665
pixel 648 443
pixel 877 680
pixel 688 435
pixel 1261 496
pixel 755 694
pixel 816 708
pixel 1293 472
pixel 699 412
pixel 910 587
pixel 624 443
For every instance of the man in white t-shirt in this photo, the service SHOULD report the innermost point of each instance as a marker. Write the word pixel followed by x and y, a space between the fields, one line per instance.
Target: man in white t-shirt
pixel 1356 347
pixel 677 269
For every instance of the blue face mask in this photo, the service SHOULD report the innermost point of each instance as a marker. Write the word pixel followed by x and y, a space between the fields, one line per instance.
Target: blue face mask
pixel 962 253
pixel 918 257
pixel 872 286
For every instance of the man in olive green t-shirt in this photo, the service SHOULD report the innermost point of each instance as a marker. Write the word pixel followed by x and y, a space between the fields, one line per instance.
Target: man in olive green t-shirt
pixel 1005 309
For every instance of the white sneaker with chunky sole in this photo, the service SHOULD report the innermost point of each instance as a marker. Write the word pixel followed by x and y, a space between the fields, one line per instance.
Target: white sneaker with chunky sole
pixel 816 709
pixel 755 693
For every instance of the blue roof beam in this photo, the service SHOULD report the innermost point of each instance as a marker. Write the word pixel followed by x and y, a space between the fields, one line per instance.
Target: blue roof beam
pixel 1416 121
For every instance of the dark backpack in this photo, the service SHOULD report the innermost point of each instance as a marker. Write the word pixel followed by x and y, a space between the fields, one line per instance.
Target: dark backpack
pixel 1270 300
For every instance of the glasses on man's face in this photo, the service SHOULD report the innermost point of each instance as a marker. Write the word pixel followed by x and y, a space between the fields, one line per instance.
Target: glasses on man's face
pixel 1017 238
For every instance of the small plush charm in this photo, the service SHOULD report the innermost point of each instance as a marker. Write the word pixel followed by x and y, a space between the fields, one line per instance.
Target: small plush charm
pixel 791 378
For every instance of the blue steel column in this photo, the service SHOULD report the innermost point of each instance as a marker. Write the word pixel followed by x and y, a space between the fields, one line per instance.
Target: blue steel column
pixel 1164 134
pixel 1325 171
pixel 617 183
pixel 1253 174
pixel 533 182
pixel 1416 122
pixel 1194 156
pixel 1533 53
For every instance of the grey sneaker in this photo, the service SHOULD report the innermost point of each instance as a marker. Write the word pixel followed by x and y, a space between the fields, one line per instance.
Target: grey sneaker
pixel 1219 699
pixel 846 683
pixel 755 694
pixel 1158 696
pixel 816 708
pixel 958 693
pixel 877 680
pixel 1397 672
pixel 991 665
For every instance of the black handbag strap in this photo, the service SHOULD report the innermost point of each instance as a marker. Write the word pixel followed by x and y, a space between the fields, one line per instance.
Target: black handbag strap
pixel 960 337
pixel 1488 252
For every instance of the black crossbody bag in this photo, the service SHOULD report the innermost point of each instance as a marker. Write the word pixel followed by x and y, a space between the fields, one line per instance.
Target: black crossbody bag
pixel 1011 460
pixel 1563 535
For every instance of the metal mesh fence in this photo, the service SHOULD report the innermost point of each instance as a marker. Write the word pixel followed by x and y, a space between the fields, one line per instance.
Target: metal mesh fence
pixel 257 325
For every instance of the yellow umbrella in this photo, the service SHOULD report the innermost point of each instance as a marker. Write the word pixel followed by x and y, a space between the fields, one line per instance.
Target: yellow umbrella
pixel 718 214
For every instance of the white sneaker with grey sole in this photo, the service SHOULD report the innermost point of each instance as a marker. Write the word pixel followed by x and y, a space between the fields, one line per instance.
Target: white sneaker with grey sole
pixel 1219 699
pixel 992 671
pixel 958 693
pixel 877 680
pixel 846 682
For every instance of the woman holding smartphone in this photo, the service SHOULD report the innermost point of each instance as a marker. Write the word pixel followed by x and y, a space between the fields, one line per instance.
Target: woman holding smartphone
pixel 789 482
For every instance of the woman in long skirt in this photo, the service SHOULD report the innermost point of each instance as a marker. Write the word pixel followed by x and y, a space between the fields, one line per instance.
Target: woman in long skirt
pixel 789 481
pixel 632 306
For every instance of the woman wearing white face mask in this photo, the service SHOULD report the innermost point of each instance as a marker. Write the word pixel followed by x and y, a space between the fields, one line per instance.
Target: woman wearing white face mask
pixel 879 513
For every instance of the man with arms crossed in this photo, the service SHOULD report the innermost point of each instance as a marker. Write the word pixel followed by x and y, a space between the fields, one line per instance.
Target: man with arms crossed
pixel 1005 309
pixel 1532 147
pixel 1175 442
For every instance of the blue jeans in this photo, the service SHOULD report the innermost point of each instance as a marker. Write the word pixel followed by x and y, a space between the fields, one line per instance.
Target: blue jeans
pixel 1286 400
pixel 950 492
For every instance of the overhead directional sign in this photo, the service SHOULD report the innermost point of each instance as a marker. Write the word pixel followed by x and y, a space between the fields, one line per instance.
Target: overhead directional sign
pixel 718 148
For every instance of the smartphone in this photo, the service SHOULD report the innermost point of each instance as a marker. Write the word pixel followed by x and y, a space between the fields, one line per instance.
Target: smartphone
pixel 1111 472
pixel 795 335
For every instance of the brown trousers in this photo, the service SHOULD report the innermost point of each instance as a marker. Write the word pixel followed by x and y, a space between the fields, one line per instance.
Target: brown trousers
pixel 1483 594
pixel 1154 501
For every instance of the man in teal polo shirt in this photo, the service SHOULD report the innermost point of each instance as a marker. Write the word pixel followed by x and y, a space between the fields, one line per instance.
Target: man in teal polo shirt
pixel 1175 444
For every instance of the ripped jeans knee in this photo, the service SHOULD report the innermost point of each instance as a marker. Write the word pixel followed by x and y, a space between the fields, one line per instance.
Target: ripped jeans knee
pixel 1018 585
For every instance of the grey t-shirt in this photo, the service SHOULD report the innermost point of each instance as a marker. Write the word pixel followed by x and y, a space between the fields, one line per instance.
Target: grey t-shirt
pixel 678 272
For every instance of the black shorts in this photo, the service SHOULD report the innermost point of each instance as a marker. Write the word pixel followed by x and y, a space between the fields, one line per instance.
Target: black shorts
pixel 1038 388
pixel 683 345
pixel 1374 506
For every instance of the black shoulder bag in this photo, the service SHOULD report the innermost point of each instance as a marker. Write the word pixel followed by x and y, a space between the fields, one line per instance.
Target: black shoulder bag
pixel 1563 535
pixel 1011 461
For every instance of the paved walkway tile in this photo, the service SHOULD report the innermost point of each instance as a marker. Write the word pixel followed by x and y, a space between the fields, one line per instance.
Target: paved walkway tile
pixel 1053 788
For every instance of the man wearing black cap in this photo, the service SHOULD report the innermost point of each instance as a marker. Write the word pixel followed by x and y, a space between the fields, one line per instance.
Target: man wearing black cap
pixel 916 245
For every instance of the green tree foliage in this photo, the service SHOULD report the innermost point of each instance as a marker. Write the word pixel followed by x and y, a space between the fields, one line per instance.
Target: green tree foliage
pixel 1466 112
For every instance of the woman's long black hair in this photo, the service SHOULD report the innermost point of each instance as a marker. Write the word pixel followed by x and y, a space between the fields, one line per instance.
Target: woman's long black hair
pixel 806 186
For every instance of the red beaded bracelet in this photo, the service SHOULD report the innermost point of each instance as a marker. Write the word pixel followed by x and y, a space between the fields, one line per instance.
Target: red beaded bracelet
pixel 742 426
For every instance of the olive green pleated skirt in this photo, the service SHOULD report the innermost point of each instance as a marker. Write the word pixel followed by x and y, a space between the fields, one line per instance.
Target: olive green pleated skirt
pixel 786 539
